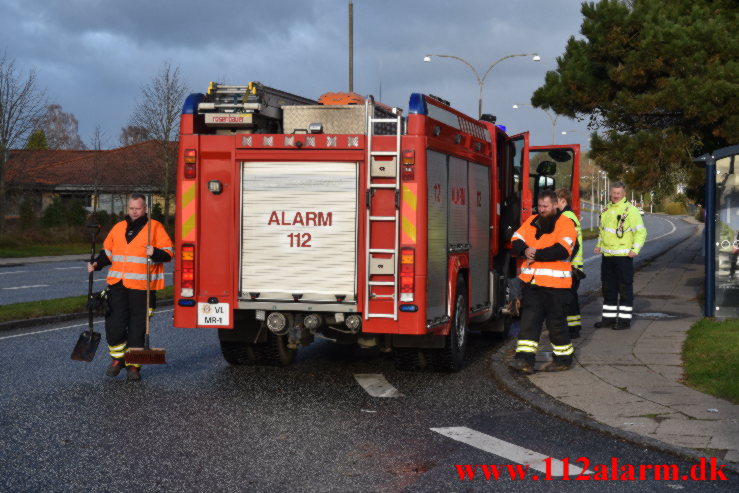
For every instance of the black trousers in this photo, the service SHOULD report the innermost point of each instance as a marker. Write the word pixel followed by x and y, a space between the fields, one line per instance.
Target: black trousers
pixel 572 310
pixel 539 305
pixel 126 321
pixel 617 278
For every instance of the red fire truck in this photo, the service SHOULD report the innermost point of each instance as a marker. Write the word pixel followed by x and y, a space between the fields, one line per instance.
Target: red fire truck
pixel 343 219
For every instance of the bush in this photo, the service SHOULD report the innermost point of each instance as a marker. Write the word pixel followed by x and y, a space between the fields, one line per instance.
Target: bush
pixel 675 208
pixel 157 213
pixel 64 213
pixel 27 214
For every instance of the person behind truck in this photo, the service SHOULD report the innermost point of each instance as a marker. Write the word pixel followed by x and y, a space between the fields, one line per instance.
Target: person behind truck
pixel 126 249
pixel 574 321
pixel 545 240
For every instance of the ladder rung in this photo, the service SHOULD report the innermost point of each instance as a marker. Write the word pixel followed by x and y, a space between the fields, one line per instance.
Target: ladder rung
pixel 383 120
pixel 379 315
pixel 382 283
pixel 373 295
pixel 383 153
pixel 382 218
pixel 382 185
pixel 381 250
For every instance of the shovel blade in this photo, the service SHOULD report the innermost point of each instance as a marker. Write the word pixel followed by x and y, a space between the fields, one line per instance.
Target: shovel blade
pixel 86 346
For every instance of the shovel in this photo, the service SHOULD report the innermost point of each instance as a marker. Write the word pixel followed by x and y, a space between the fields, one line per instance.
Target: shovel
pixel 89 340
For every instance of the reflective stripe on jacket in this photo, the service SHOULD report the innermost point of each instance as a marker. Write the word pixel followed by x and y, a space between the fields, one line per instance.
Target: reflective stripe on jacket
pixel 129 259
pixel 554 274
pixel 576 259
pixel 632 231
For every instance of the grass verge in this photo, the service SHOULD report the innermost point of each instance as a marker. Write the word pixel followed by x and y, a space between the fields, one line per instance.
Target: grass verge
pixel 44 250
pixel 711 356
pixel 589 234
pixel 59 306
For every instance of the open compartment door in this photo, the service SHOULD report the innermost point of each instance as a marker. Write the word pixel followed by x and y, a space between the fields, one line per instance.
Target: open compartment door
pixel 515 197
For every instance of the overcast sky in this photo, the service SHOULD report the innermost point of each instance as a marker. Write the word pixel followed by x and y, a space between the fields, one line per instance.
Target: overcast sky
pixel 93 56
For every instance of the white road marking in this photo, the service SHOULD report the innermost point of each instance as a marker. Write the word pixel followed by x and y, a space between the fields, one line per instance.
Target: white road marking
pixel 29 287
pixel 674 228
pixel 14 272
pixel 66 327
pixel 376 385
pixel 509 451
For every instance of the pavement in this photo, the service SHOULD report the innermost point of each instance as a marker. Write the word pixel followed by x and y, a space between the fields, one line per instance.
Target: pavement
pixel 6 262
pixel 629 383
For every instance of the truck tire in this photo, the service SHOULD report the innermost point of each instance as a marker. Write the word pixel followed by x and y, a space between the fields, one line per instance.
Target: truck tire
pixel 275 352
pixel 451 357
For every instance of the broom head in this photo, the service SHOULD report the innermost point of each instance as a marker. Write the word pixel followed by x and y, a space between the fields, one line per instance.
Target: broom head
pixel 143 356
pixel 86 346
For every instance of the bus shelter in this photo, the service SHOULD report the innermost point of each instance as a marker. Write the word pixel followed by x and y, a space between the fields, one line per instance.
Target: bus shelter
pixel 721 240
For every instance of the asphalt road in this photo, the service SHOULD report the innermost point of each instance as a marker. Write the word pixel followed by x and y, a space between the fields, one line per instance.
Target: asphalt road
pixel 49 280
pixel 198 424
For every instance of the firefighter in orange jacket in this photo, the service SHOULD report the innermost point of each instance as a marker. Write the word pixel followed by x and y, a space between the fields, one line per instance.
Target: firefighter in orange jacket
pixel 126 249
pixel 545 241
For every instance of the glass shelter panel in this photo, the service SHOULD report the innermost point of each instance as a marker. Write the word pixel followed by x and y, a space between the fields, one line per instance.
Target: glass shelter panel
pixel 727 236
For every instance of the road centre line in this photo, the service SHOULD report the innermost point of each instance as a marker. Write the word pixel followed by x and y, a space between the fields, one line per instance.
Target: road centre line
pixel 507 450
pixel 67 327
pixel 376 385
pixel 13 272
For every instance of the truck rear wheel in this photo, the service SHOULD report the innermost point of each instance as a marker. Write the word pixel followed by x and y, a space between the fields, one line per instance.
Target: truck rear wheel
pixel 451 357
pixel 273 352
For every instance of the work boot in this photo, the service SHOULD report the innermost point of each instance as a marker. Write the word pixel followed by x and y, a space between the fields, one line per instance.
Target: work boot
pixel 604 324
pixel 134 374
pixel 523 365
pixel 622 325
pixel 116 365
pixel 559 364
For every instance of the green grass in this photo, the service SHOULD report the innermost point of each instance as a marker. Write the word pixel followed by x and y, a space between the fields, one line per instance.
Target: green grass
pixel 711 356
pixel 589 234
pixel 59 306
pixel 44 250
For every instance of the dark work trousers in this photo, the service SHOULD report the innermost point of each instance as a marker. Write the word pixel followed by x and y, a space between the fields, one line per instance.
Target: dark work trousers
pixel 540 304
pixel 617 278
pixel 126 322
pixel 572 311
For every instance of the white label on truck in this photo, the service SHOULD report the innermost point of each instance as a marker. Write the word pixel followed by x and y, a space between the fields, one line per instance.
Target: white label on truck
pixel 213 314
pixel 299 226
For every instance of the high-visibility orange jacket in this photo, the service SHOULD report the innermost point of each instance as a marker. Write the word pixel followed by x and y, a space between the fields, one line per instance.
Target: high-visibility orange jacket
pixel 128 259
pixel 551 267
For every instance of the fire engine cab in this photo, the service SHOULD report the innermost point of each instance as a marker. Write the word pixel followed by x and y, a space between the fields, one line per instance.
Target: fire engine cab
pixel 345 219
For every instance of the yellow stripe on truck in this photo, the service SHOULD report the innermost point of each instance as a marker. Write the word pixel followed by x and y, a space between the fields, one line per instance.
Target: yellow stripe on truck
pixel 188 211
pixel 408 213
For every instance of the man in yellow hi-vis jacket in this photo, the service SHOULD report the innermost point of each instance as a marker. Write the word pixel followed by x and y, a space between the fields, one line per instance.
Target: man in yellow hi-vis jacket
pixel 622 236
pixel 126 249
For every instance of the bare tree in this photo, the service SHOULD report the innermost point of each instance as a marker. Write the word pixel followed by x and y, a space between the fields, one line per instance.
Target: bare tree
pixel 159 113
pixel 132 134
pixel 21 102
pixel 61 129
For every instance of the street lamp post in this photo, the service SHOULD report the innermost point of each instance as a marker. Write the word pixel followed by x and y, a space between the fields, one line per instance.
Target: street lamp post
pixel 553 119
pixel 481 80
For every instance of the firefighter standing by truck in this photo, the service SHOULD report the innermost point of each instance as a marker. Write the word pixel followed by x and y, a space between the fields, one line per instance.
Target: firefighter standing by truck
pixel 574 320
pixel 126 249
pixel 546 241
pixel 622 235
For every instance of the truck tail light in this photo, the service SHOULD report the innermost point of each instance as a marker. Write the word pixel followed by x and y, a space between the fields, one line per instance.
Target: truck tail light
pixel 408 172
pixel 191 163
pixel 407 274
pixel 187 279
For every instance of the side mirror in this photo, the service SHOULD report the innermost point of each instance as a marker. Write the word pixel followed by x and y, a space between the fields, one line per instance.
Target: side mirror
pixel 546 168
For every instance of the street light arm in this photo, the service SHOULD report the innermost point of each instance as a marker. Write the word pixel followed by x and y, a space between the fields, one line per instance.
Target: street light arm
pixel 474 70
pixel 496 62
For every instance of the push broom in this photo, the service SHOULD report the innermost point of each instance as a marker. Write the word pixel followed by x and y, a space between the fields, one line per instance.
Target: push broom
pixel 146 355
